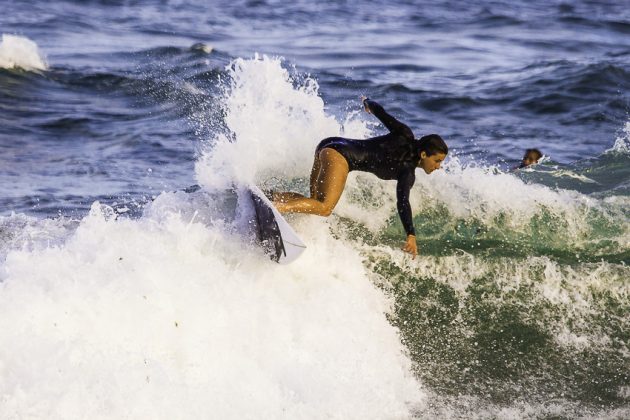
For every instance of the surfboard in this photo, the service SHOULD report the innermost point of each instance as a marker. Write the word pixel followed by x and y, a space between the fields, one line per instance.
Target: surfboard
pixel 273 232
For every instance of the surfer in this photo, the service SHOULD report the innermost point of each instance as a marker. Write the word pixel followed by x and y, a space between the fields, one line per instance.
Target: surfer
pixel 531 157
pixel 391 156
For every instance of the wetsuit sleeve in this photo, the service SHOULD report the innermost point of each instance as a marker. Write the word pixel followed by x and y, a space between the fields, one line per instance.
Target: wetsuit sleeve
pixel 392 124
pixel 405 182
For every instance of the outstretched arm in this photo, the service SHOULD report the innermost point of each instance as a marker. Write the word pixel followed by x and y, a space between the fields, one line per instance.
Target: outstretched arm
pixel 403 188
pixel 392 124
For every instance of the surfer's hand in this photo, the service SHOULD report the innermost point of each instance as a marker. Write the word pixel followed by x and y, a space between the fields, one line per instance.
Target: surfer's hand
pixel 367 108
pixel 411 246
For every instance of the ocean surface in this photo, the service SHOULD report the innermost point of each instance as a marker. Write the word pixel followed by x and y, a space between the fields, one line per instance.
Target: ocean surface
pixel 121 296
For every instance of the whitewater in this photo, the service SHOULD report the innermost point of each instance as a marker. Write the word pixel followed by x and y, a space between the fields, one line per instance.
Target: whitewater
pixel 122 296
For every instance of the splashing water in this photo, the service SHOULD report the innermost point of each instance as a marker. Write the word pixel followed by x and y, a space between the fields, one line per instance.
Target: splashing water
pixel 622 143
pixel 519 296
pixel 175 315
pixel 274 126
pixel 20 52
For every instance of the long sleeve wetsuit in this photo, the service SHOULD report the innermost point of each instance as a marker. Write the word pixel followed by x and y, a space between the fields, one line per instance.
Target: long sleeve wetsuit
pixel 391 156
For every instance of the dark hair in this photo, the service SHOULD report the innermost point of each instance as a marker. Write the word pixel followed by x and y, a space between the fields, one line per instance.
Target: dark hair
pixel 432 144
pixel 536 151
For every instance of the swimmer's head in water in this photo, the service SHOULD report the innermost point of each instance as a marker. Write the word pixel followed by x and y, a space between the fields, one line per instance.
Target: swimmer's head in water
pixel 433 151
pixel 531 156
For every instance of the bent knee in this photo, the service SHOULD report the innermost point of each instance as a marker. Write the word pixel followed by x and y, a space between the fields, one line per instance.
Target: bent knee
pixel 327 211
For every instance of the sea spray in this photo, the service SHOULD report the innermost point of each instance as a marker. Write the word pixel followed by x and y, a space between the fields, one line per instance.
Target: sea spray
pixel 622 143
pixel 20 52
pixel 274 126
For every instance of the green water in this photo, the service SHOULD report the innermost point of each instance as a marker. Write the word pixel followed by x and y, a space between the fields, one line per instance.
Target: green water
pixel 499 339
pixel 512 308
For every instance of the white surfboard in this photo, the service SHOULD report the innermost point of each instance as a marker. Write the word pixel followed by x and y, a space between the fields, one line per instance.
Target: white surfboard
pixel 276 236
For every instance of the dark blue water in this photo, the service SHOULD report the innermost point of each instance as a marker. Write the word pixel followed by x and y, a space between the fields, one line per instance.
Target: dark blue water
pixel 134 92
pixel 492 78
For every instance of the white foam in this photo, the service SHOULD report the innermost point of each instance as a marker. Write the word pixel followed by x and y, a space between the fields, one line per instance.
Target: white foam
pixel 275 122
pixel 479 193
pixel 20 52
pixel 622 143
pixel 167 318
pixel 570 174
pixel 474 407
pixel 18 231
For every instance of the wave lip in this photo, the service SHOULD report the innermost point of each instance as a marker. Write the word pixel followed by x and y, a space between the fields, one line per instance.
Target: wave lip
pixel 20 52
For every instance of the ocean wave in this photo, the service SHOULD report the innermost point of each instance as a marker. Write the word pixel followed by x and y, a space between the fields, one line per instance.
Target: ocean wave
pixel 488 212
pixel 158 304
pixel 21 52
pixel 19 231
pixel 166 305
pixel 518 286
pixel 490 327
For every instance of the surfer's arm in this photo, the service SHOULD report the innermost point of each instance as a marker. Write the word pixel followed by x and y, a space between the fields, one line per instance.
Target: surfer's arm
pixel 391 123
pixel 403 188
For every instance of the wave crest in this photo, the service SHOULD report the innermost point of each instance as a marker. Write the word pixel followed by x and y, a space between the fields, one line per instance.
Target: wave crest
pixel 20 52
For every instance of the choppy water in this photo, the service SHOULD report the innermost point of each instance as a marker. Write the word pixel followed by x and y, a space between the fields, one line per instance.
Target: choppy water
pixel 120 297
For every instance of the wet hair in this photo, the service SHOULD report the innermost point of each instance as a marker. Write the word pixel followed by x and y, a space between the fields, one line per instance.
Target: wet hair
pixel 432 144
pixel 535 151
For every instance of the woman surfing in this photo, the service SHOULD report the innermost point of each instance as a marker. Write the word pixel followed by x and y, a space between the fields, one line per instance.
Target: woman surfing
pixel 391 156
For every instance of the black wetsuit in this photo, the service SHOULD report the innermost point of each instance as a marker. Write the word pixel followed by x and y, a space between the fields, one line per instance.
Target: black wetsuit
pixel 391 156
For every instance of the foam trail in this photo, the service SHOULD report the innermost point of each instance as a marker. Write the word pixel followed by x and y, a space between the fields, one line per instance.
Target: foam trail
pixel 20 52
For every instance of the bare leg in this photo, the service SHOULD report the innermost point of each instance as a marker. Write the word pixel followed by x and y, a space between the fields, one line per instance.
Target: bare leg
pixel 317 166
pixel 283 197
pixel 328 178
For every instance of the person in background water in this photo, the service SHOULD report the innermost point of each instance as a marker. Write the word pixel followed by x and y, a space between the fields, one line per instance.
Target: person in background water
pixel 531 157
pixel 393 156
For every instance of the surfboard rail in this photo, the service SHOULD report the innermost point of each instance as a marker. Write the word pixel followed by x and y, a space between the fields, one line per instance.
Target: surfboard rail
pixel 276 236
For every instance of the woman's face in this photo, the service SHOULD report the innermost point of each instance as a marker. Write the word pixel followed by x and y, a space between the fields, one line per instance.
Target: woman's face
pixel 431 163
